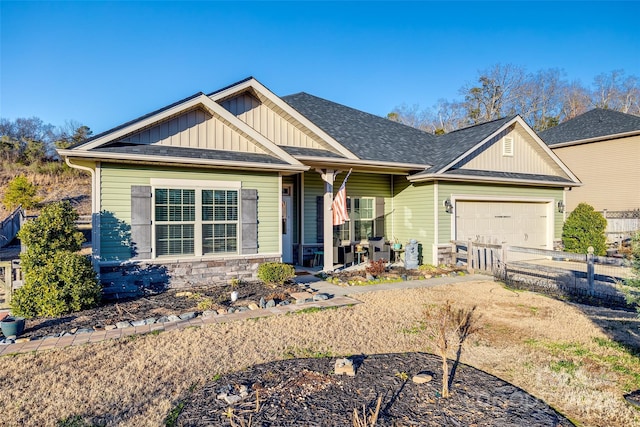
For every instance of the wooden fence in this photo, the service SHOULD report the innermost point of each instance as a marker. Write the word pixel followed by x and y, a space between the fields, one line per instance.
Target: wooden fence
pixel 586 275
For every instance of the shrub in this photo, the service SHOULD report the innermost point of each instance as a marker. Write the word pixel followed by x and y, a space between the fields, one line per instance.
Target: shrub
pixel 56 279
pixel 54 230
pixel 20 192
pixel 584 227
pixel 376 268
pixel 64 284
pixel 275 273
pixel 632 284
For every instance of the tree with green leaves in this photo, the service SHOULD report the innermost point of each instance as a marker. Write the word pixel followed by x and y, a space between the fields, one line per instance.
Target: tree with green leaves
pixel 20 192
pixel 585 227
pixel 57 279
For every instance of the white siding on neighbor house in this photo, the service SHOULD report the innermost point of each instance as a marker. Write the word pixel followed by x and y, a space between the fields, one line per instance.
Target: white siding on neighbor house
pixel 528 156
pixel 609 171
pixel 196 129
pixel 273 123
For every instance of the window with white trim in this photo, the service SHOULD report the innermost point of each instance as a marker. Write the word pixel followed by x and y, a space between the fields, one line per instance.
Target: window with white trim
pixel 361 224
pixel 219 221
pixel 195 221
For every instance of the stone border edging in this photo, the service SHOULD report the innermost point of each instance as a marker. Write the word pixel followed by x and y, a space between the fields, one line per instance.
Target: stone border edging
pixel 91 336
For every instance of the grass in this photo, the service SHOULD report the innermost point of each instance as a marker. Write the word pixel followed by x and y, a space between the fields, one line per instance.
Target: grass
pixel 563 354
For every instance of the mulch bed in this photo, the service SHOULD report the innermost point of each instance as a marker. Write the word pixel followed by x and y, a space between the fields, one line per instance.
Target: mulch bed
pixel 172 301
pixel 306 392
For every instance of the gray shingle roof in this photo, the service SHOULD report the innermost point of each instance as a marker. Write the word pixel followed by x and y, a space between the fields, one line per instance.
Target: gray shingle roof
pixel 310 152
pixel 446 148
pixel 367 136
pixel 189 153
pixel 592 124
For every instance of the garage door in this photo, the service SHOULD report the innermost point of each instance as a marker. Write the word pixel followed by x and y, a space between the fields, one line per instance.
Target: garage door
pixel 517 223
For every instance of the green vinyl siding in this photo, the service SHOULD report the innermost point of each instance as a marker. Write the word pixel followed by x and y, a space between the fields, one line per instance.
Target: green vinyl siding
pixel 115 203
pixel 358 185
pixel 447 189
pixel 412 216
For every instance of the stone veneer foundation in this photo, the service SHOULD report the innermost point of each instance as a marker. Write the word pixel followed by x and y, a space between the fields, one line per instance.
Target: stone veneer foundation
pixel 133 279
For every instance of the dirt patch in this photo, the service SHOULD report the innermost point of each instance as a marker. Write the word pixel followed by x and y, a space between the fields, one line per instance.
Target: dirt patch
pixel 307 392
pixel 166 303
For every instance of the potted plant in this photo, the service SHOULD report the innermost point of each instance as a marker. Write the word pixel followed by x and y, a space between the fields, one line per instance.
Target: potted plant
pixel 396 244
pixel 12 326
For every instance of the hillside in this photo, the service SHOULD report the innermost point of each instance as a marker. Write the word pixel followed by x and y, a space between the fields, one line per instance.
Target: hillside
pixel 54 185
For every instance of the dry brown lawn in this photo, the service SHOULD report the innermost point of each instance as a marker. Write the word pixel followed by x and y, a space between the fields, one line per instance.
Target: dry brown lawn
pixel 561 353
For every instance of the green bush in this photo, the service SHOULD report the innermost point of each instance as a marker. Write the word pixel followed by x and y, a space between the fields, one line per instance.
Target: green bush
pixel 275 273
pixel 54 230
pixel 20 192
pixel 584 227
pixel 65 284
pixel 632 284
pixel 57 280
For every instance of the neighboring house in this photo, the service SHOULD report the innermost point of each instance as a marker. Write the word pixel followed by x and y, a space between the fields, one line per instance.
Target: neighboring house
pixel 214 185
pixel 602 147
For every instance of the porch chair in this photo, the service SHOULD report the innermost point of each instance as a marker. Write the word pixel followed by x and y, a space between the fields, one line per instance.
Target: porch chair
pixel 379 249
pixel 342 254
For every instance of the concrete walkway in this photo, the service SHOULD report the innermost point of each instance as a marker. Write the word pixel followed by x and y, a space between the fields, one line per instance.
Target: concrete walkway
pixel 340 296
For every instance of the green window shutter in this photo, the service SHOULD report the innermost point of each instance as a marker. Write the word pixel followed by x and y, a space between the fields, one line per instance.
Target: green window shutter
pixel 320 219
pixel 249 221
pixel 140 222
pixel 379 231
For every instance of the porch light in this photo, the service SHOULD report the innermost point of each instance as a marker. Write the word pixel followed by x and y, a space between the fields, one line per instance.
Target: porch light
pixel 561 206
pixel 448 207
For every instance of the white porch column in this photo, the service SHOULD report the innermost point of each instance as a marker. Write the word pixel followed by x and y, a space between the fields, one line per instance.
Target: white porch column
pixel 328 176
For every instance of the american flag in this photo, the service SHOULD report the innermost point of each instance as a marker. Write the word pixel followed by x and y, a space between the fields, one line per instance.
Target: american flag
pixel 339 205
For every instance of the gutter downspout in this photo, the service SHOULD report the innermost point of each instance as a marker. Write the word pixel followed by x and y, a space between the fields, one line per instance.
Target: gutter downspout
pixel 95 217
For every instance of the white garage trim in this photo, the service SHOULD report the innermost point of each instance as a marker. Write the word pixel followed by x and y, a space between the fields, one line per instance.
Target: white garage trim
pixel 550 212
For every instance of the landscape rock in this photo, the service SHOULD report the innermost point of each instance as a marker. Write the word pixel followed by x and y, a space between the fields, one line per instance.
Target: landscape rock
pixel 173 318
pixel 344 366
pixel 163 319
pixel 271 303
pixel 422 378
pixel 231 310
pixel 208 313
pixel 263 303
pixel 221 311
pixel 253 306
pixel 138 323
pixel 320 297
pixel 188 316
pixel 84 331
pixel 123 324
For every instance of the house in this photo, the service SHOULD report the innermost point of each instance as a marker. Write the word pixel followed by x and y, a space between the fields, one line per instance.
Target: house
pixel 602 147
pixel 215 184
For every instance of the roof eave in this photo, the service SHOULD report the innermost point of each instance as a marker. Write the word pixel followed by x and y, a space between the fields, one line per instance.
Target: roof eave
pixel 177 161
pixel 595 139
pixel 316 160
pixel 490 180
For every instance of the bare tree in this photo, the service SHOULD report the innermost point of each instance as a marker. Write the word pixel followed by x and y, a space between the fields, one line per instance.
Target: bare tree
pixel 543 99
pixel 445 323
pixel 409 115
pixel 496 95
pixel 575 100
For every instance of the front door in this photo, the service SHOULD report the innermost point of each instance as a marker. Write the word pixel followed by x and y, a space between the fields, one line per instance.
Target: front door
pixel 287 228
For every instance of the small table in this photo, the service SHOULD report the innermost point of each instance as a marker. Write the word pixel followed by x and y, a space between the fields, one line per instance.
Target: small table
pixel 359 255
pixel 397 255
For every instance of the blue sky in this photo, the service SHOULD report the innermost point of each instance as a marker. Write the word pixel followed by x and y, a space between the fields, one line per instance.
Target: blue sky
pixel 104 63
